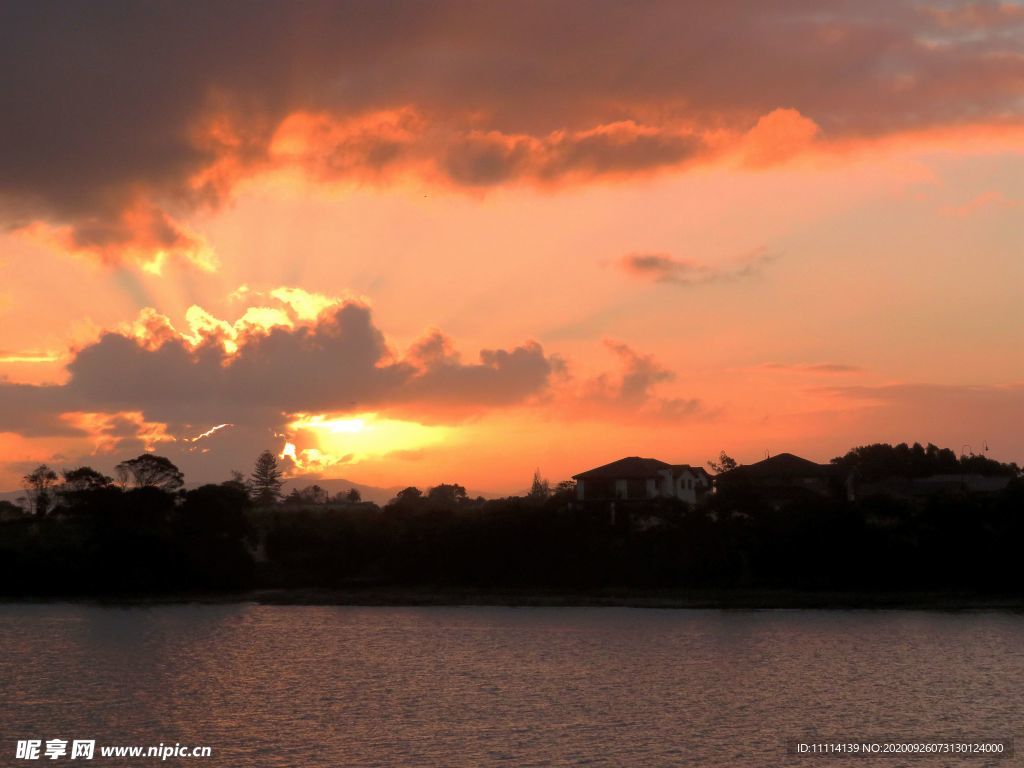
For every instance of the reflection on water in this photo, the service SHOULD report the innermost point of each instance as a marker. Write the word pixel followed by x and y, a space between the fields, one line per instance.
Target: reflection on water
pixel 324 686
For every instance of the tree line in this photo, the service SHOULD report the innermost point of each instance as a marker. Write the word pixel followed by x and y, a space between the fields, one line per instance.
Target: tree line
pixel 142 532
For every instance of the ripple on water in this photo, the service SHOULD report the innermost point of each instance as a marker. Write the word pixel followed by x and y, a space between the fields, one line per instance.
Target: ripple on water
pixel 270 686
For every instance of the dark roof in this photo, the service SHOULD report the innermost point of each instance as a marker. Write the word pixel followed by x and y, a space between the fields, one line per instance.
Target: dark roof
pixel 780 467
pixel 629 468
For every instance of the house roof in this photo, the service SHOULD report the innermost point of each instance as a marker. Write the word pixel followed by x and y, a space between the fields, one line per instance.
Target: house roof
pixel 700 471
pixel 629 468
pixel 782 466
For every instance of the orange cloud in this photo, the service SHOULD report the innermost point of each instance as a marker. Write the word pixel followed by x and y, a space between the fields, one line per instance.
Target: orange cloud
pixel 631 393
pixel 366 146
pixel 287 308
pixel 142 235
pixel 779 136
pixel 109 432
pixel 125 146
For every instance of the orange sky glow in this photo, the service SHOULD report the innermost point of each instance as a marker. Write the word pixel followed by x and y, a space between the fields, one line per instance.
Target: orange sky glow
pixel 439 264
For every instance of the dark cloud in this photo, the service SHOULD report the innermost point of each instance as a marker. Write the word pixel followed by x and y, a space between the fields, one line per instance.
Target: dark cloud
pixel 340 364
pixel 623 148
pixel 813 367
pixel 501 377
pixel 33 411
pixel 640 373
pixel 120 117
pixel 633 389
pixel 664 268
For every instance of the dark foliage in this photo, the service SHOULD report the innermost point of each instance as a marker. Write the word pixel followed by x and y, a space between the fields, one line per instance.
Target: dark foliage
pixel 141 541
pixel 881 461
pixel 265 482
pixel 100 539
pixel 150 471
pixel 951 541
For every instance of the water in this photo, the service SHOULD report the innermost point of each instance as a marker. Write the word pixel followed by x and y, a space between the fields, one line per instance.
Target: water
pixel 338 686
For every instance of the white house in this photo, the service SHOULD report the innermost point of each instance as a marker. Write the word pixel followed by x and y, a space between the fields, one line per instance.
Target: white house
pixel 637 478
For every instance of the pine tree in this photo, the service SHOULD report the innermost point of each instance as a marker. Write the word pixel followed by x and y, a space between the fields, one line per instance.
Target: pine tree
pixel 265 482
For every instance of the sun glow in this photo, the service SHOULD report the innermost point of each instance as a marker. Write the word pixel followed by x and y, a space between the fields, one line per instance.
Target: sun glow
pixel 29 357
pixel 319 441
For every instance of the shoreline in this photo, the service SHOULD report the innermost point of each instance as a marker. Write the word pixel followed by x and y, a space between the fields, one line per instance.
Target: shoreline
pixel 677 599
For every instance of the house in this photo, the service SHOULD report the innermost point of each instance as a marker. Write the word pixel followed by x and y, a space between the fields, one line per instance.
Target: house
pixel 785 476
pixel 636 478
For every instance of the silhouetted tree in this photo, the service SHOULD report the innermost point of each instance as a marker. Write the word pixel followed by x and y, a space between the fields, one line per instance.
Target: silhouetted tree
pixel 407 498
pixel 566 490
pixel 540 489
pixel 237 482
pixel 151 471
pixel 724 464
pixel 314 494
pixel 879 461
pixel 104 539
pixel 84 479
pixel 311 494
pixel 446 495
pixel 39 485
pixel 265 482
pixel 82 487
pixel 353 496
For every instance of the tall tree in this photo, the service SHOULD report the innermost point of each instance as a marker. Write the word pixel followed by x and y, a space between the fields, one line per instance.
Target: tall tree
pixel 150 471
pixel 265 482
pixel 39 485
pixel 82 486
pixel 540 489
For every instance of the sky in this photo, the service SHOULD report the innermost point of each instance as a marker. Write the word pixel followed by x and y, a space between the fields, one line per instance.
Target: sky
pixel 410 243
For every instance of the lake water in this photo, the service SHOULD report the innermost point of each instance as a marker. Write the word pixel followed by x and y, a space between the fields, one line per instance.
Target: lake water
pixel 474 686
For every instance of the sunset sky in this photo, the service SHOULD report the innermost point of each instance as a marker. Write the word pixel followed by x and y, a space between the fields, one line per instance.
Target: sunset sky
pixel 412 243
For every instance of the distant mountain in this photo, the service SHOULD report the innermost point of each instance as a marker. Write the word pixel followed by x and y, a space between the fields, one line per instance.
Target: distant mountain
pixel 339 485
